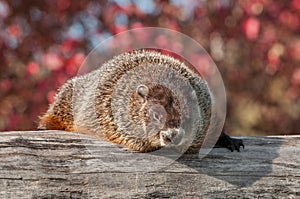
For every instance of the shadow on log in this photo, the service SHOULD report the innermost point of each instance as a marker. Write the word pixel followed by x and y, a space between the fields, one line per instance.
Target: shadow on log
pixel 57 164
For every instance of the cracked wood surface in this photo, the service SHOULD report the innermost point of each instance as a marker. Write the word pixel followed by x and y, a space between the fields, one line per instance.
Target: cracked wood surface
pixel 57 164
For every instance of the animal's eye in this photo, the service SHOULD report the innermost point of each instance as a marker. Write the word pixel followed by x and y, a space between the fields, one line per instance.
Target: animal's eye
pixel 156 116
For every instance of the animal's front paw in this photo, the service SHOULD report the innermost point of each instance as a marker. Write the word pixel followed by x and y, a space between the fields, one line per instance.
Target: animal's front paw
pixel 229 143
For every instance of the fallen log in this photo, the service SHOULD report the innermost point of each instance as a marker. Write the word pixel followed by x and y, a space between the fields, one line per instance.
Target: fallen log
pixel 57 164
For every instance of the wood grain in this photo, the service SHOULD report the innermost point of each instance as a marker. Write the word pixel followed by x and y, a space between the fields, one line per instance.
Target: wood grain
pixel 57 164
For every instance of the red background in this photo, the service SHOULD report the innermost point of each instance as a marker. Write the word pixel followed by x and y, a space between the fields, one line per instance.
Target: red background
pixel 255 44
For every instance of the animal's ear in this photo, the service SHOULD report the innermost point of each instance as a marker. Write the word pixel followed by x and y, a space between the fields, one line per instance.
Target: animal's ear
pixel 142 90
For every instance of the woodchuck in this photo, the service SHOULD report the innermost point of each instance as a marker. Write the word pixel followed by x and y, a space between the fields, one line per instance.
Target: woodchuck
pixel 143 100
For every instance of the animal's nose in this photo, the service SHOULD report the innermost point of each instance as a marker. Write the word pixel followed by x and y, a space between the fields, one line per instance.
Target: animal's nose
pixel 171 136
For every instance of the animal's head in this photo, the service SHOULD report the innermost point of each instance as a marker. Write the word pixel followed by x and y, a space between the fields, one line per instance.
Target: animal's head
pixel 158 111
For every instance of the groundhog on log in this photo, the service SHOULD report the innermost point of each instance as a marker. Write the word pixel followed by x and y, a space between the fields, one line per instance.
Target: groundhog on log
pixel 143 100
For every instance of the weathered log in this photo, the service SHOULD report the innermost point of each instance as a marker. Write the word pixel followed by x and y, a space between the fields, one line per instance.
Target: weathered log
pixel 57 164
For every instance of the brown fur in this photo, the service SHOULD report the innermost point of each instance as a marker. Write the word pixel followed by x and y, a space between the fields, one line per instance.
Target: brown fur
pixel 106 103
pixel 59 116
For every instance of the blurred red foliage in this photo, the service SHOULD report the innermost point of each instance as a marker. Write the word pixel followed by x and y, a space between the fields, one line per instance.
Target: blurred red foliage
pixel 255 44
pixel 251 28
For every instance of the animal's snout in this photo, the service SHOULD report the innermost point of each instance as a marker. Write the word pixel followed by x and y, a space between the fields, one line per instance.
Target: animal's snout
pixel 172 136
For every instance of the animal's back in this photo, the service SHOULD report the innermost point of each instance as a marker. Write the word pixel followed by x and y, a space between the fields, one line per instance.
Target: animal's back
pixel 143 100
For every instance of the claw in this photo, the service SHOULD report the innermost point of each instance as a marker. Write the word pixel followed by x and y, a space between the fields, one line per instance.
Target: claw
pixel 229 143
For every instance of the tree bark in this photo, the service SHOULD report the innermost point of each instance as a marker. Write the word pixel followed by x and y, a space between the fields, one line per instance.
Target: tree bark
pixel 57 164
